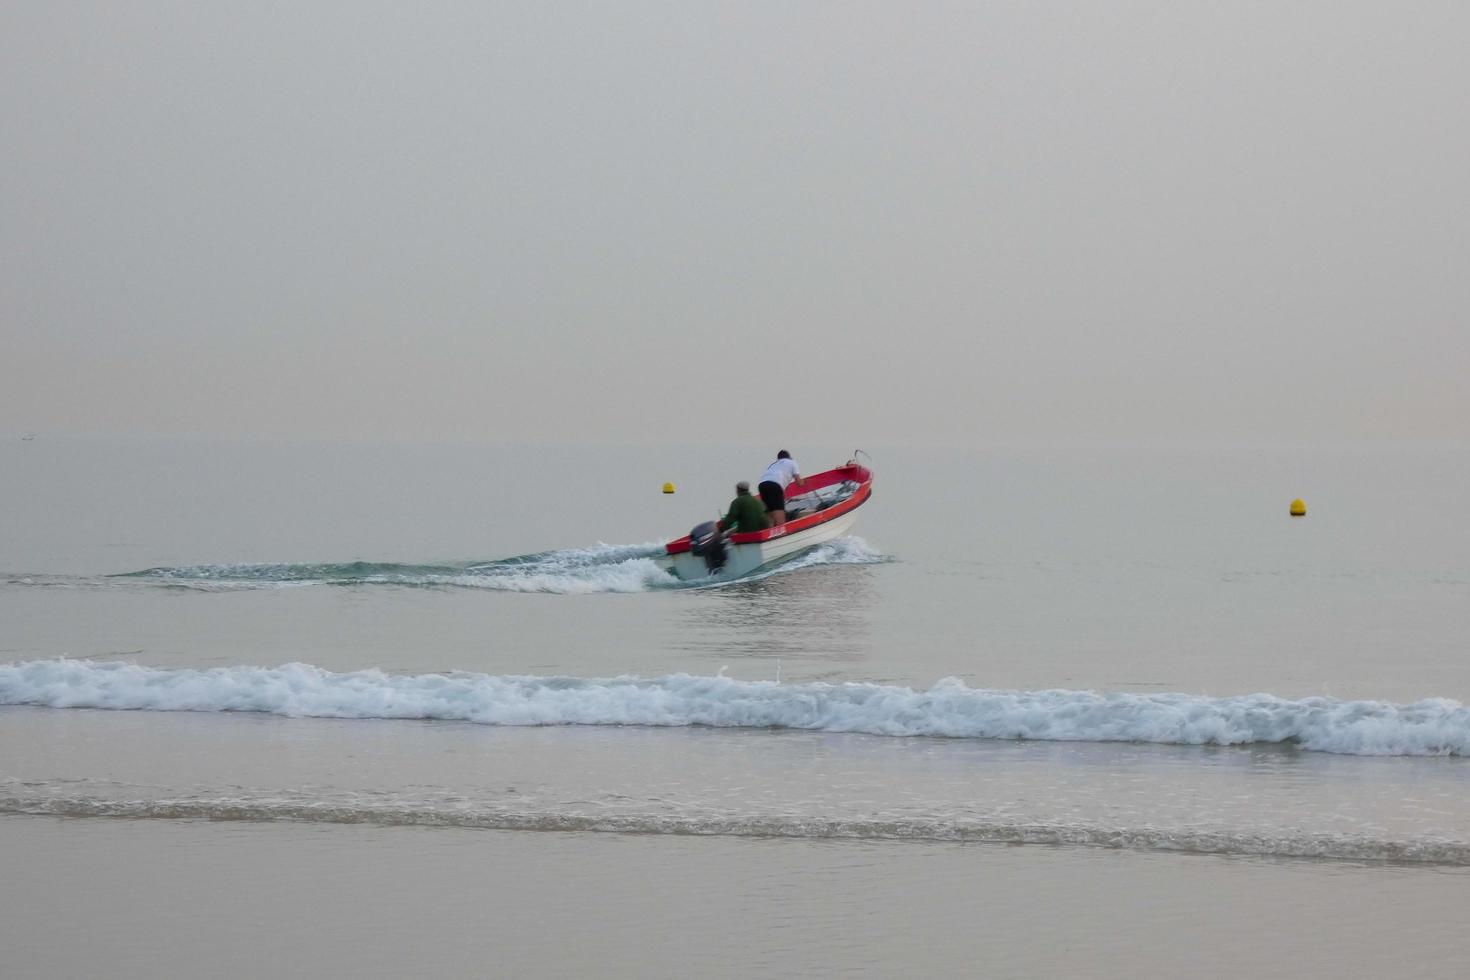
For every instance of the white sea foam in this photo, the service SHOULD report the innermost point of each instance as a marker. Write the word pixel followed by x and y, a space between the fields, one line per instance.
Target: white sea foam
pixel 948 709
pixel 560 578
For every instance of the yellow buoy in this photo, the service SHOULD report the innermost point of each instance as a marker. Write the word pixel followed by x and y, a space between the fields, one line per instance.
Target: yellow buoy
pixel 668 488
pixel 1298 508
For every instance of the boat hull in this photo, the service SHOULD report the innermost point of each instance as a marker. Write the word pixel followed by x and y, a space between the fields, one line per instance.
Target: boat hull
pixel 742 559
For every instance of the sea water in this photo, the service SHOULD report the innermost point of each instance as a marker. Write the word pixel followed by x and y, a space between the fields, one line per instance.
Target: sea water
pixel 275 653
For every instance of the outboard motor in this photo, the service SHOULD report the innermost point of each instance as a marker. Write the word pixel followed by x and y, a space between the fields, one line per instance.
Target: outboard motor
pixel 708 542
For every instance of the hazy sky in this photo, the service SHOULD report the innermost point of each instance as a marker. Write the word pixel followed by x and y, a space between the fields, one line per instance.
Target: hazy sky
pixel 975 223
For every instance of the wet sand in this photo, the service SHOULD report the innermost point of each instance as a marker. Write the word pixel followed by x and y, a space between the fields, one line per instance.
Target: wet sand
pixel 136 898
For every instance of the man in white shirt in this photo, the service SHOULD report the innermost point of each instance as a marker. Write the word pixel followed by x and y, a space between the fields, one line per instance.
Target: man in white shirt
pixel 774 481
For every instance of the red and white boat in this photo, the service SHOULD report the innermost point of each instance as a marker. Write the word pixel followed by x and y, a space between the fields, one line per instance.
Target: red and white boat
pixel 822 507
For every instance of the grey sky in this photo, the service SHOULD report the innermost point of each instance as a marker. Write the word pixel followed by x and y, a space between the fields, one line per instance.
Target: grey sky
pixel 980 223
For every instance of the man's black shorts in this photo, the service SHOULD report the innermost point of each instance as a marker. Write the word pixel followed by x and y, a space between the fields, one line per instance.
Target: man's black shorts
pixel 772 495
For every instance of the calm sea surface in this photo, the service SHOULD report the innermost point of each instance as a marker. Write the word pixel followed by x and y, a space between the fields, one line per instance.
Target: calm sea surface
pixel 403 710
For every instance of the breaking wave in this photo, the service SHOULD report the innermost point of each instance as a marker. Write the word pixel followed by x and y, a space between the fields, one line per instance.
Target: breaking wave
pixel 948 709
pixel 459 813
pixel 573 571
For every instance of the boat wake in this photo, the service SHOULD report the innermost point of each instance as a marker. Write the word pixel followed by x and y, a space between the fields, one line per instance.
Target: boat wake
pixel 574 571
pixel 949 709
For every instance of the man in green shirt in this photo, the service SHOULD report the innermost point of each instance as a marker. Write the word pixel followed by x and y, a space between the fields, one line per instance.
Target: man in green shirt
pixel 747 513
